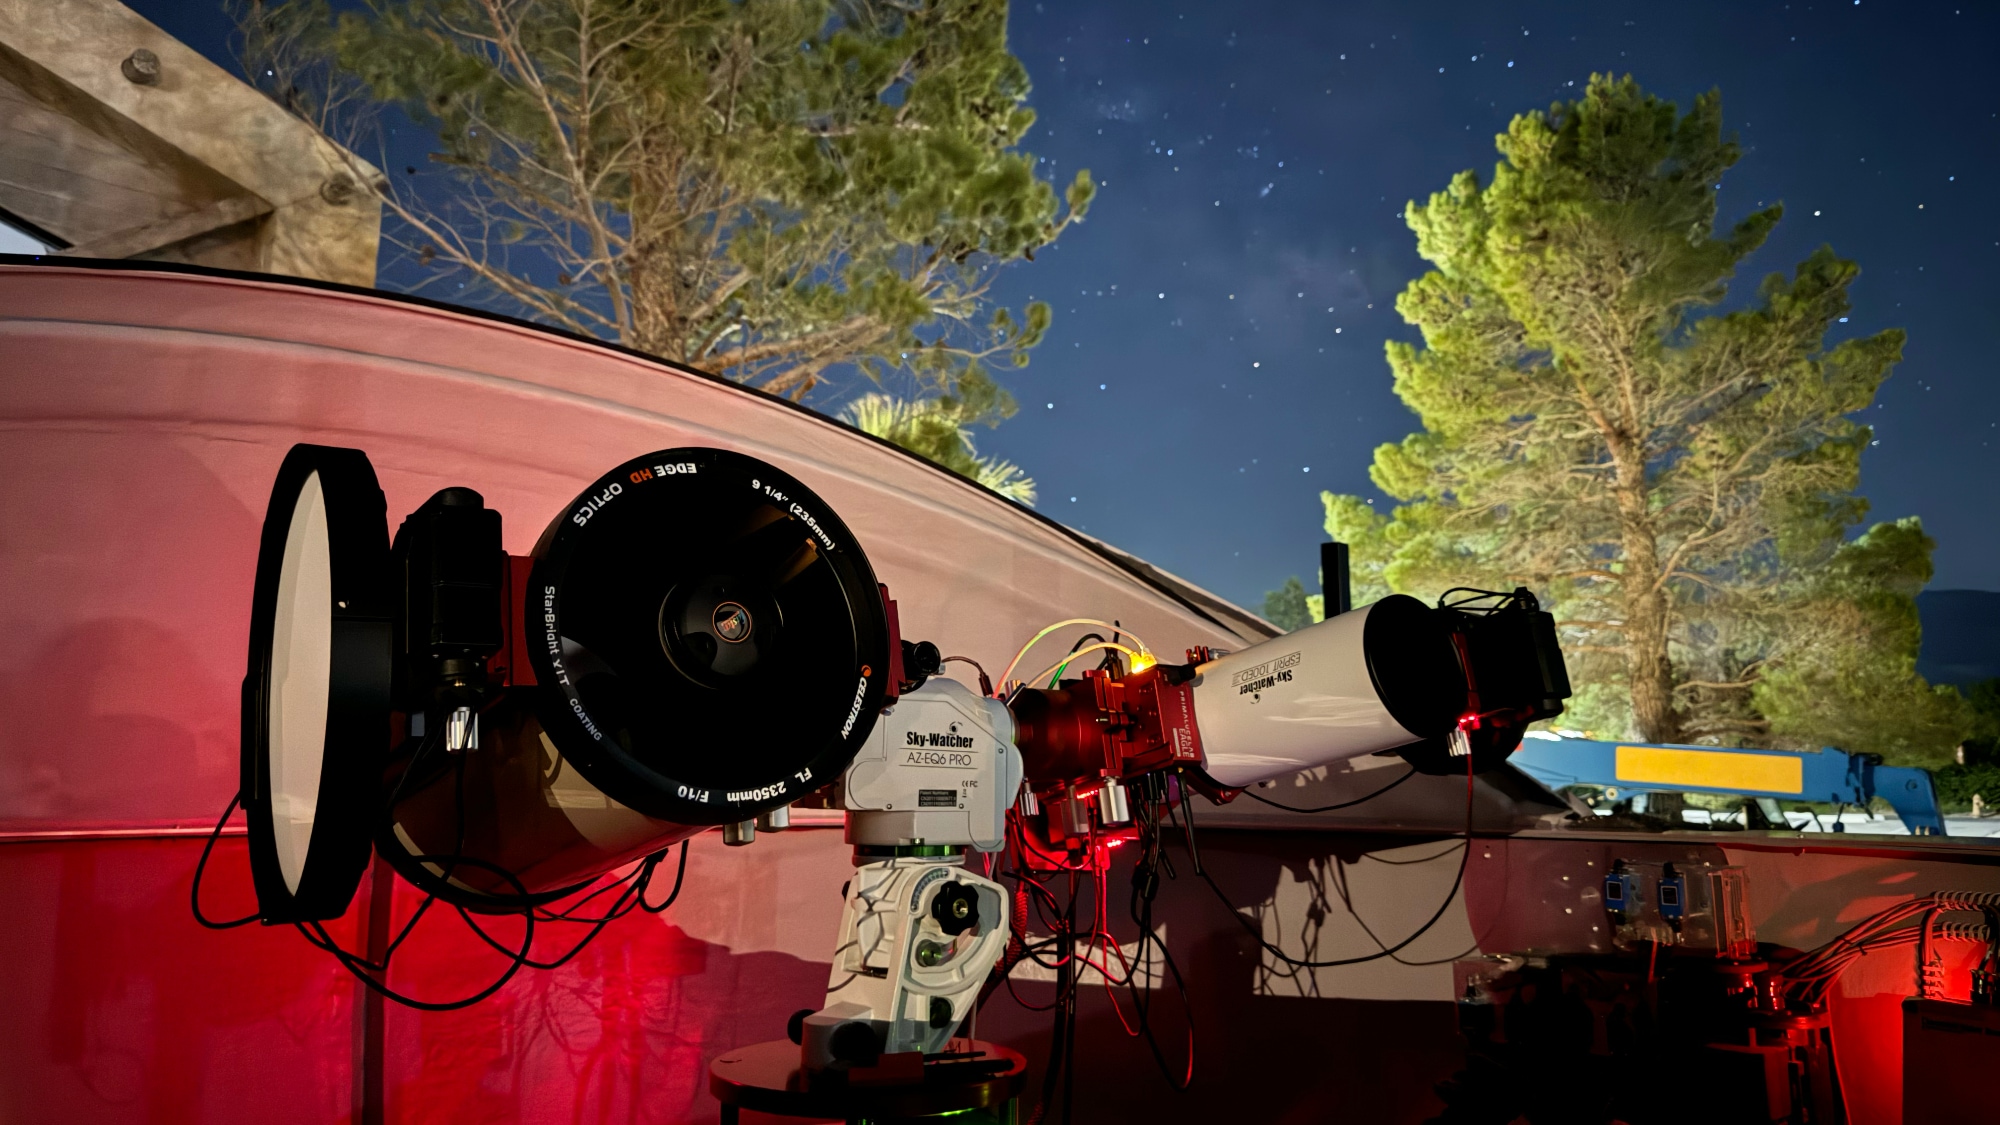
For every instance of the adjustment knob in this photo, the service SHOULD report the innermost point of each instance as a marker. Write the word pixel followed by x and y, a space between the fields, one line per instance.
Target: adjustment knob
pixel 956 908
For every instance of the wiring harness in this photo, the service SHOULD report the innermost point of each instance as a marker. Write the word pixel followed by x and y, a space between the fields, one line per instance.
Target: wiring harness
pixel 1919 922
pixel 1063 892
pixel 630 885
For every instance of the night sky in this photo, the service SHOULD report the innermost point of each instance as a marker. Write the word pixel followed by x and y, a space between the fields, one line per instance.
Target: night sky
pixel 1216 357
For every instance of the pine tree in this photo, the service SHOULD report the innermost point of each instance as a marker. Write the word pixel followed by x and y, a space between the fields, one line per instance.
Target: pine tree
pixel 939 429
pixel 761 188
pixel 1289 607
pixel 1675 480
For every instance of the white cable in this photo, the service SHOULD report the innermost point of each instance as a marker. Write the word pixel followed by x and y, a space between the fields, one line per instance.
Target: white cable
pixel 1051 669
pixel 1008 675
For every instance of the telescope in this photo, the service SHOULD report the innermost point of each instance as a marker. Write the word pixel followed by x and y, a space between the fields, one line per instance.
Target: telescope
pixel 698 641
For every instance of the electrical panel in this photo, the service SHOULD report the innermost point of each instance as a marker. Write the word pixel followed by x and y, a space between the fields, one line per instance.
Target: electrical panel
pixel 1705 908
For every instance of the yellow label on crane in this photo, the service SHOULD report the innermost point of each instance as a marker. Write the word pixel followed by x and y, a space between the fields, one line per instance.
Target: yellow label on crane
pixel 1711 769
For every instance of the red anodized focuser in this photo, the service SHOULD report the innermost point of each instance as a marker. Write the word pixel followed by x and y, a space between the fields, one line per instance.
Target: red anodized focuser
pixel 1108 725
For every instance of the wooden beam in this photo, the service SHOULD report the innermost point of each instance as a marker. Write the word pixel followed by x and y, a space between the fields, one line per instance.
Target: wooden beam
pixel 126 243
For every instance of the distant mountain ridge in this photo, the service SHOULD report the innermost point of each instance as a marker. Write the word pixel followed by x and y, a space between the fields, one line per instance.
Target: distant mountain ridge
pixel 1961 636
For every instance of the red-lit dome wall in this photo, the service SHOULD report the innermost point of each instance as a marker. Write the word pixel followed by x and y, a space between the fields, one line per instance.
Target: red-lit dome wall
pixel 142 416
pixel 145 415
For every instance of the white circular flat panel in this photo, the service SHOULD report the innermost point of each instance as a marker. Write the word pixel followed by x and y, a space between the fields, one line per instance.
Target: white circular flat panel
pixel 301 674
pixel 316 694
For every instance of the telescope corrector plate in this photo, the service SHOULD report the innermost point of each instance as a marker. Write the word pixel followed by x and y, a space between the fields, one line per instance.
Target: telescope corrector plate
pixel 710 639
pixel 301 672
pixel 316 695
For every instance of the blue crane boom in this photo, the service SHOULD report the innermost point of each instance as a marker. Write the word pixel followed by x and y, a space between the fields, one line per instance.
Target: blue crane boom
pixel 1829 775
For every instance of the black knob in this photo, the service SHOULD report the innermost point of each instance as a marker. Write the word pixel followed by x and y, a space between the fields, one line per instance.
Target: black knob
pixel 795 1028
pixel 854 1043
pixel 956 908
pixel 921 661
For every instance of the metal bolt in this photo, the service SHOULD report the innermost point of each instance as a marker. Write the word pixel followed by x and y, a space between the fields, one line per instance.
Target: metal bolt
pixel 141 68
pixel 740 833
pixel 1113 808
pixel 338 189
pixel 461 730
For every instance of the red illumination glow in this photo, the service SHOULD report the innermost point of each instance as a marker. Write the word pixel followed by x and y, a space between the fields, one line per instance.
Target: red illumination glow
pixel 1867 1011
pixel 1075 853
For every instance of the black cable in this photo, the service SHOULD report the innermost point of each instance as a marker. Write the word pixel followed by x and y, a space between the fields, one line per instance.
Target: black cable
pixel 569 915
pixel 642 876
pixel 194 891
pixel 631 897
pixel 1347 900
pixel 1069 963
pixel 416 916
pixel 1478 595
pixel 1389 951
pixel 1420 860
pixel 632 890
pixel 679 875
pixel 1080 642
pixel 365 970
pixel 1087 638
pixel 1052 1069
pixel 1145 886
pixel 1187 834
pixel 1252 794
pixel 619 908
pixel 430 898
pixel 527 961
pixel 1296 962
pixel 1069 1010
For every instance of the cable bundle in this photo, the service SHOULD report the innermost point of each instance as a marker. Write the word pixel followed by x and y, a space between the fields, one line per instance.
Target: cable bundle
pixel 1811 976
pixel 631 887
pixel 1052 885
pixel 1055 883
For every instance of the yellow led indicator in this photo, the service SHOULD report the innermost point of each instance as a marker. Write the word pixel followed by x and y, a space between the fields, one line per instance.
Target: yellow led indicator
pixel 1711 769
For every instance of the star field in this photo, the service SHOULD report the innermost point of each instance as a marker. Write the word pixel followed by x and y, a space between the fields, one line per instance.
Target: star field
pixel 1216 356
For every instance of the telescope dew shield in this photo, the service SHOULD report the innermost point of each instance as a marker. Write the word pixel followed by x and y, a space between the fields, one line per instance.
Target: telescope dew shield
pixel 709 639
pixel 1372 679
pixel 316 694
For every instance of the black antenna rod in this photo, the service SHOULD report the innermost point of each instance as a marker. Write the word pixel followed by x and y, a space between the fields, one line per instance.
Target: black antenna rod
pixel 1333 578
